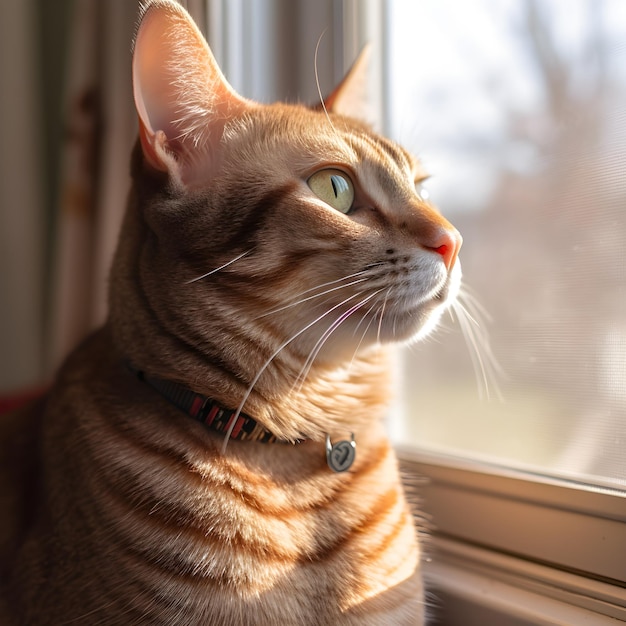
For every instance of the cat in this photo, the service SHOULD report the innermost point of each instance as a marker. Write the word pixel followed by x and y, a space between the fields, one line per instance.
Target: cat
pixel 215 453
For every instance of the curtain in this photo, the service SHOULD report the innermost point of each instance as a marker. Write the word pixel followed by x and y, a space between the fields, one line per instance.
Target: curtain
pixel 100 128
pixel 61 202
pixel 21 195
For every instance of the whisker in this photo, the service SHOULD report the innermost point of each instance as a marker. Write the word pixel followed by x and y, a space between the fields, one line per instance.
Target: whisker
pixel 271 358
pixel 382 312
pixel 321 293
pixel 486 367
pixel 475 355
pixel 327 333
pixel 317 79
pixel 364 317
pixel 317 295
pixel 217 269
pixel 358 347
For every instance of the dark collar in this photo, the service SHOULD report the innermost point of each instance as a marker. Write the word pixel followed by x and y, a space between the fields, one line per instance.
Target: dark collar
pixel 210 413
pixel 236 425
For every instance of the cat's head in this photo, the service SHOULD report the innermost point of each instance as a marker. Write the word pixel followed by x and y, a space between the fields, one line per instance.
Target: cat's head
pixel 297 230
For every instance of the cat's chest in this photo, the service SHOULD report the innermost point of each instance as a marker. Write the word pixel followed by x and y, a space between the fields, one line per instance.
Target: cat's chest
pixel 300 565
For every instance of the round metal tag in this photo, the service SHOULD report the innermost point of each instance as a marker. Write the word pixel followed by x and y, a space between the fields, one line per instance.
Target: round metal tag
pixel 340 456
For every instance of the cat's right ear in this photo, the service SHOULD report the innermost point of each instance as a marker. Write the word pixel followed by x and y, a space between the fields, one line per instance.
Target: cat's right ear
pixel 182 98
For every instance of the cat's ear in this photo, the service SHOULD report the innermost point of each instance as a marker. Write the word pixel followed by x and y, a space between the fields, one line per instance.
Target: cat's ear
pixel 182 98
pixel 352 96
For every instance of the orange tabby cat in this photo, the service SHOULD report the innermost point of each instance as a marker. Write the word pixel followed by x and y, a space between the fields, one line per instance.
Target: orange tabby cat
pixel 215 453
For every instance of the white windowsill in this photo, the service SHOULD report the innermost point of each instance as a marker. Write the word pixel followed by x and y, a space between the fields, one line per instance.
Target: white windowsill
pixel 510 549
pixel 475 586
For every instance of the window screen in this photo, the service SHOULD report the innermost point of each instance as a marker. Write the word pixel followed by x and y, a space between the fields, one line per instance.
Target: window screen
pixel 518 109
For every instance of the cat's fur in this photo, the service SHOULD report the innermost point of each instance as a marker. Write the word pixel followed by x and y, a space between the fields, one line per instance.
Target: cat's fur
pixel 117 508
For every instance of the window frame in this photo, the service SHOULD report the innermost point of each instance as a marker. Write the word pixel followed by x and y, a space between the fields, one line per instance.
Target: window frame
pixel 514 504
pixel 474 586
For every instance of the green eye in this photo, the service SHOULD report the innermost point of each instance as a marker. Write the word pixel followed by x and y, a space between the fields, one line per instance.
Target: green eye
pixel 333 187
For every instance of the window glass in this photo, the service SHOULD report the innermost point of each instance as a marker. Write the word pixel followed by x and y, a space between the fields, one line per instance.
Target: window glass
pixel 518 108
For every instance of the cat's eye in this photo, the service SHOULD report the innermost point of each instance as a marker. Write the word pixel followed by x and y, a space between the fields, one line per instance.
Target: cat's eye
pixel 333 187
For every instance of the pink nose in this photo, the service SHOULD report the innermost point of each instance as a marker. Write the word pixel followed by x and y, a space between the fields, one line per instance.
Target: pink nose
pixel 447 243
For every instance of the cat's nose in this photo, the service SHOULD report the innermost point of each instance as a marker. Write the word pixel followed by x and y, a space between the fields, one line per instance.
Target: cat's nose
pixel 447 242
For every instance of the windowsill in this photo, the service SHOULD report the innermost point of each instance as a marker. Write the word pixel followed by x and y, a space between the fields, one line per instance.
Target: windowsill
pixel 472 586
pixel 526 548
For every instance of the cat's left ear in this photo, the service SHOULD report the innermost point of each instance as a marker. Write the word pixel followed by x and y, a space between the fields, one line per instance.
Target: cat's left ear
pixel 352 96
pixel 182 98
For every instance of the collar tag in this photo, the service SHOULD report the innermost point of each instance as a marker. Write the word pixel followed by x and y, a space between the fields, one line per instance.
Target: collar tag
pixel 340 456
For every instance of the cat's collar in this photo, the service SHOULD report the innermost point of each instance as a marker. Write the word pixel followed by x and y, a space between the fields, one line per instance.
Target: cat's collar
pixel 236 425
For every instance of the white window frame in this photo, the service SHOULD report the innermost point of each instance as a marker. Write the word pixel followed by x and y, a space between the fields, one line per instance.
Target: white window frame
pixel 505 548
pixel 511 547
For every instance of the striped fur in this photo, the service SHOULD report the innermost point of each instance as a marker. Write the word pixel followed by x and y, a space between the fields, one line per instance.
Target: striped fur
pixel 234 279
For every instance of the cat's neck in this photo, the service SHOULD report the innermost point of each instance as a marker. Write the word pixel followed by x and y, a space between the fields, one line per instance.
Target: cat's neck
pixel 235 424
pixel 337 400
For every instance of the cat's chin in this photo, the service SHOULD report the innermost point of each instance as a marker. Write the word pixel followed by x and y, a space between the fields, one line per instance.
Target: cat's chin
pixel 407 325
pixel 411 326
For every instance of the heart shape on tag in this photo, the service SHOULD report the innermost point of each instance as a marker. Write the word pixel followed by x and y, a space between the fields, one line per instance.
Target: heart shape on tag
pixel 340 456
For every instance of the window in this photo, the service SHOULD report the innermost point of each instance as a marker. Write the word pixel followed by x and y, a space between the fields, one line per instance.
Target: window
pixel 518 110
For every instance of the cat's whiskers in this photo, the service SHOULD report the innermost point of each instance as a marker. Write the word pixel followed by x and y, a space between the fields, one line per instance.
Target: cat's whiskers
pixel 325 336
pixel 364 317
pixel 265 365
pixel 382 313
pixel 317 80
pixel 358 347
pixel 221 267
pixel 486 368
pixel 300 300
